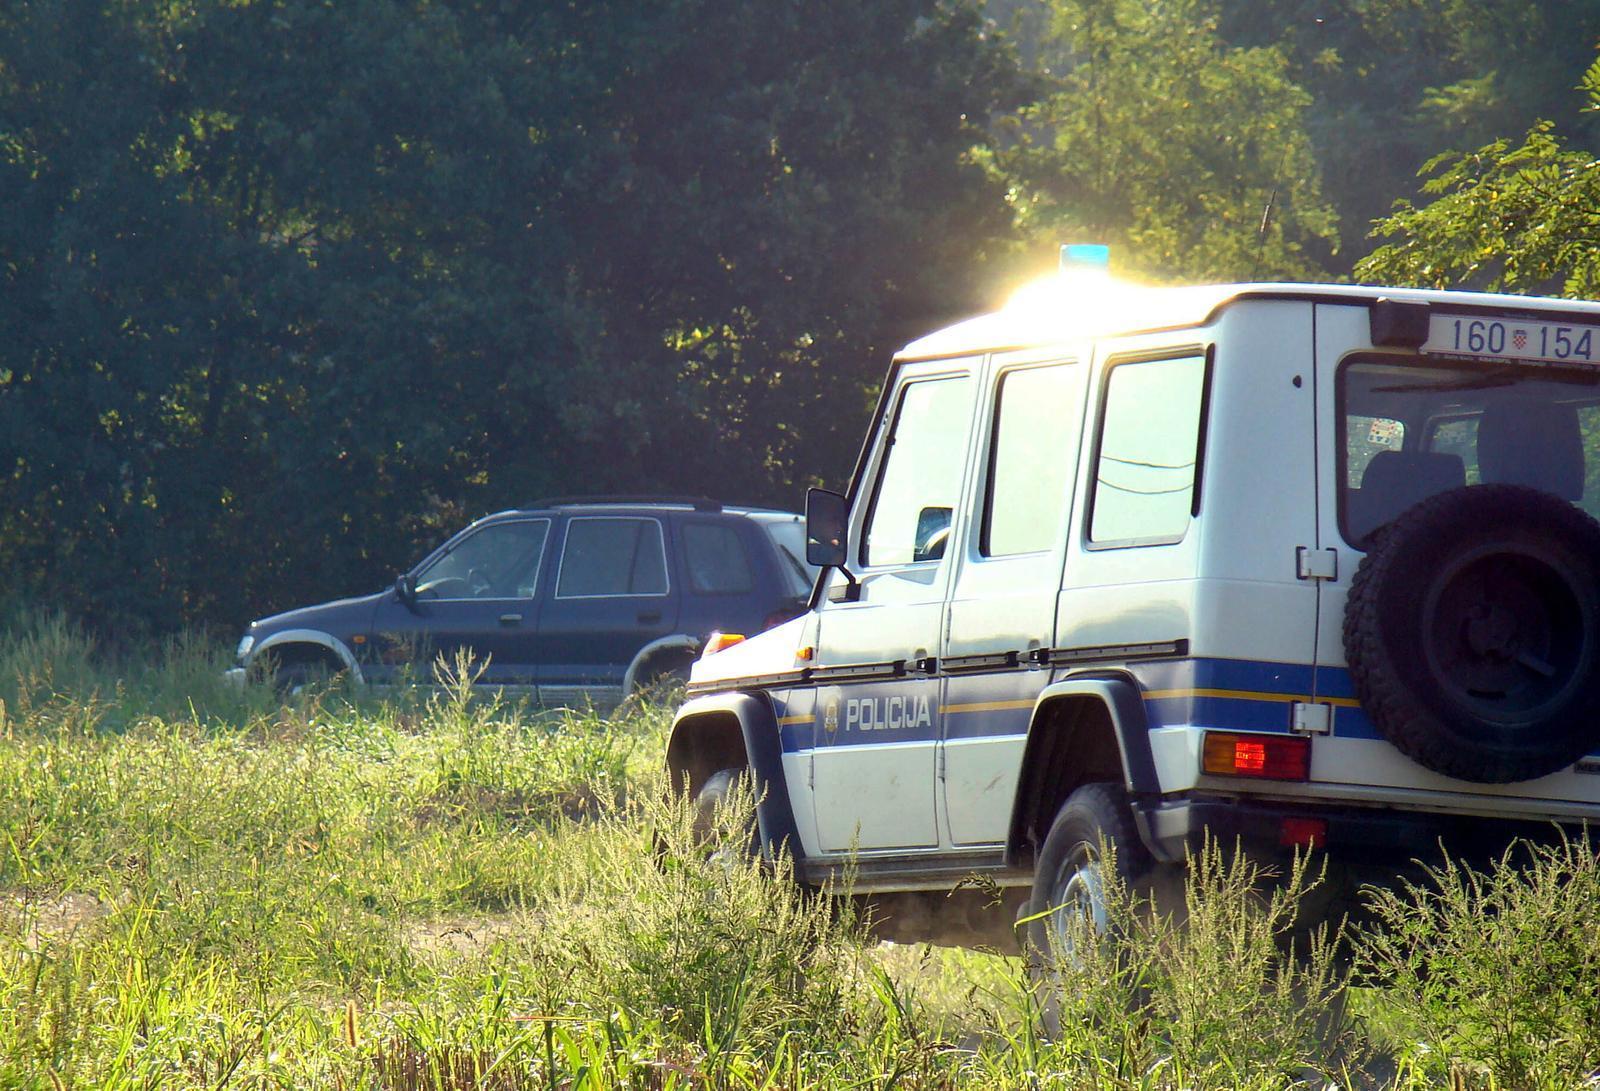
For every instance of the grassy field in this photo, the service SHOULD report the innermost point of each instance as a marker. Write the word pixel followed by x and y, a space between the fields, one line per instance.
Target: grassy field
pixel 203 888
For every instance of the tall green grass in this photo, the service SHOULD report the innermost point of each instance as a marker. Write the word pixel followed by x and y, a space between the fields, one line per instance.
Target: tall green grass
pixel 201 888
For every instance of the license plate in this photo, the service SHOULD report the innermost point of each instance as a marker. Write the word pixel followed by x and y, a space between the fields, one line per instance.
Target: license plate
pixel 1508 339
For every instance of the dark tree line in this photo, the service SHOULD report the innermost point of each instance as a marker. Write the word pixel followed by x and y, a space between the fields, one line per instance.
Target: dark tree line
pixel 290 288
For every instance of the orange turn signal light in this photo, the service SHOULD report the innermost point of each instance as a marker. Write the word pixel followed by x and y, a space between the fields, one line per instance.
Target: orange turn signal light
pixel 716 642
pixel 1267 757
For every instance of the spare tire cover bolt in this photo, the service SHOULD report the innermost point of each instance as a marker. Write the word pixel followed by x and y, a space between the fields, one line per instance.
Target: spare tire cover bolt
pixel 1493 633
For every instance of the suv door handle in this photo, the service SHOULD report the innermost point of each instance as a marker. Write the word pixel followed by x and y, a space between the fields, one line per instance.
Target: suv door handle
pixel 650 618
pixel 511 619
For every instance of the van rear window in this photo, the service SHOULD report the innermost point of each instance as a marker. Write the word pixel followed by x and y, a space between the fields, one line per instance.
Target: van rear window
pixel 1413 430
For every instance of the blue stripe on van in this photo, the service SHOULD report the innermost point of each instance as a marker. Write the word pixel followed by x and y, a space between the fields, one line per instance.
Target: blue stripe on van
pixel 1238 694
pixel 981 706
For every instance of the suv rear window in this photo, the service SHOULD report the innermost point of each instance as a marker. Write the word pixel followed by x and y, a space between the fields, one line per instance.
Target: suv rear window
pixel 1414 429
pixel 715 557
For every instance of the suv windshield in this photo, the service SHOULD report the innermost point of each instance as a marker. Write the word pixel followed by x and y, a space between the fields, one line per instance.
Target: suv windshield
pixel 1412 430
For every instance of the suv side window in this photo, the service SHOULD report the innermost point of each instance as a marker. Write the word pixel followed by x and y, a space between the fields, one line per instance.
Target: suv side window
pixel 1030 461
pixel 715 558
pixel 612 555
pixel 497 561
pixel 1150 437
pixel 909 520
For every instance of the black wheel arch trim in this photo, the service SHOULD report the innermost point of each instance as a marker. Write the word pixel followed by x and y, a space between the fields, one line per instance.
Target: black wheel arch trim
pixel 1119 693
pixel 758 724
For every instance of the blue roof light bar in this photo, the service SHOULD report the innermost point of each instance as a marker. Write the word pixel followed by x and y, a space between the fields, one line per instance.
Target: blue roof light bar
pixel 1085 256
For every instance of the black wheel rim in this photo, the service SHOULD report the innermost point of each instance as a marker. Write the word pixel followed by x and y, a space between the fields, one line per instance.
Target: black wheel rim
pixel 1505 634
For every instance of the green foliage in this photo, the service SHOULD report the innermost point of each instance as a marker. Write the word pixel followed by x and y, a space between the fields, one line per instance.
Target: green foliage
pixel 1202 990
pixel 291 288
pixel 1395 82
pixel 403 896
pixel 1190 156
pixel 1503 218
pixel 1494 977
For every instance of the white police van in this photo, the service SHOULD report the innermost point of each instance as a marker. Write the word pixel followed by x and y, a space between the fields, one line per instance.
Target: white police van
pixel 1295 564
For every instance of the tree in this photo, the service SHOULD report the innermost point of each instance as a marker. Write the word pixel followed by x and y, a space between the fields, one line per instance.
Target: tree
pixel 1522 218
pixel 1394 81
pixel 288 288
pixel 1188 155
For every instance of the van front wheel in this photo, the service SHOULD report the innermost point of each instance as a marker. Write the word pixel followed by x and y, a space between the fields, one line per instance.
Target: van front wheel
pixel 711 822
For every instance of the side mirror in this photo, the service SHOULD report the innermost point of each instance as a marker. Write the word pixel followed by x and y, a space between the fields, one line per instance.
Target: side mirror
pixel 405 589
pixel 827 516
pixel 827 545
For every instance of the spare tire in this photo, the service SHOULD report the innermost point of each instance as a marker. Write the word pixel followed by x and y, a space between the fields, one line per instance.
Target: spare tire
pixel 1473 633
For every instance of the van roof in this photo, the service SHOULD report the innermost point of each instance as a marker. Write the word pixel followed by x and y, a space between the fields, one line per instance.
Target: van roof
pixel 1045 314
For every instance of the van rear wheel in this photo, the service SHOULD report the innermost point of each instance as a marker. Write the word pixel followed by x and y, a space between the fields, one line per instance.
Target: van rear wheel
pixel 1092 842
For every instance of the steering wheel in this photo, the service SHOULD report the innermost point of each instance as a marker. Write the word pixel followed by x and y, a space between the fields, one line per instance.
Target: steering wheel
pixel 442 588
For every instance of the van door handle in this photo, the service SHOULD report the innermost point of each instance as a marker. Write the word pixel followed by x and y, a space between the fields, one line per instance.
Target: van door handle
pixel 650 618
pixel 511 619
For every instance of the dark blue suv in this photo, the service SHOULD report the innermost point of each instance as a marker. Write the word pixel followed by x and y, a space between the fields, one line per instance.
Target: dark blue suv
pixel 566 600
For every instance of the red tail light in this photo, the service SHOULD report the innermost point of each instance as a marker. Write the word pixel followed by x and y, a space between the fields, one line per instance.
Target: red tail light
pixel 1304 833
pixel 1267 757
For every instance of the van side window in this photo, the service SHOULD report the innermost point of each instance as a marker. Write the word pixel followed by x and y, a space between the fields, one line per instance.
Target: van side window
pixel 921 476
pixel 1031 460
pixel 1149 449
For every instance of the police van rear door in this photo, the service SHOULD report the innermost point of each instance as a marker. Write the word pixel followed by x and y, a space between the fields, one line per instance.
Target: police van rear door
pixel 1407 420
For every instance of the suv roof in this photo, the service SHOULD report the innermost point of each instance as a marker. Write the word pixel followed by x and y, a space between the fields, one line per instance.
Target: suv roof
pixel 693 503
pixel 698 503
